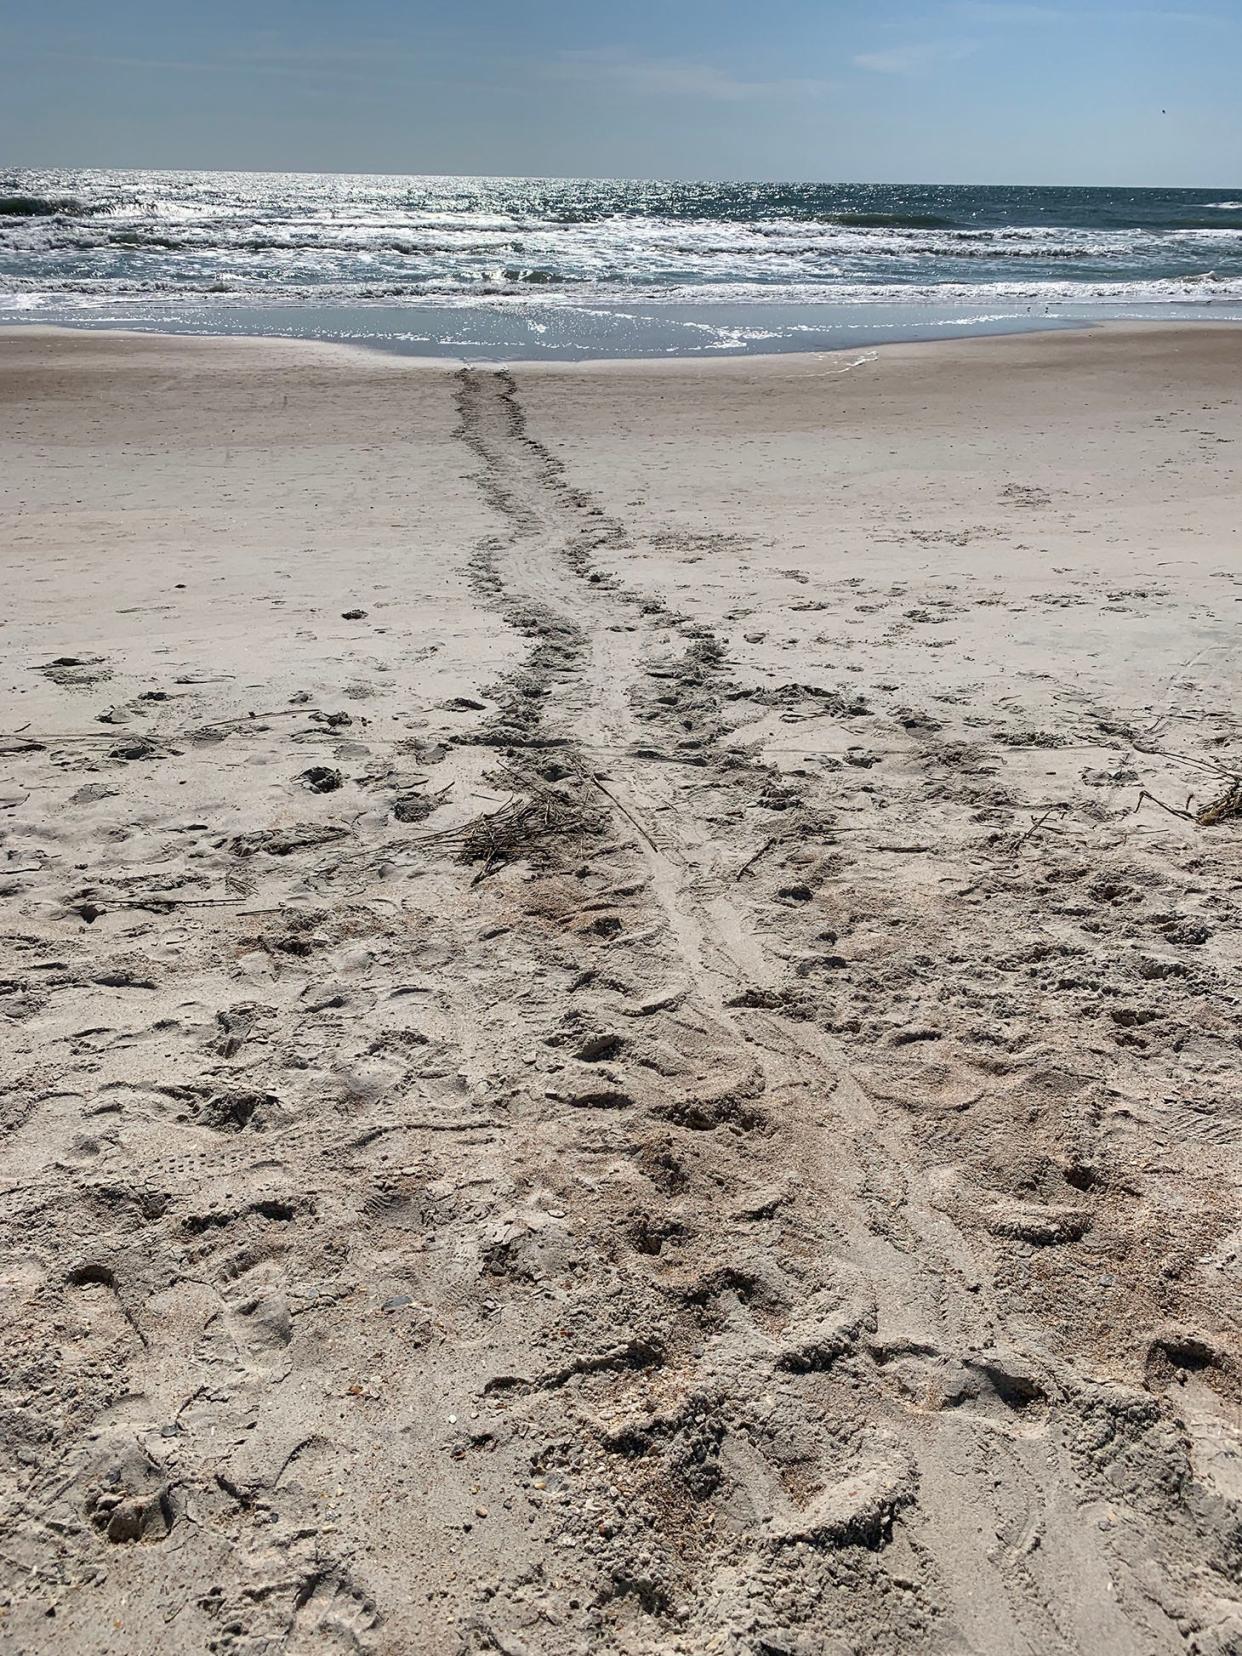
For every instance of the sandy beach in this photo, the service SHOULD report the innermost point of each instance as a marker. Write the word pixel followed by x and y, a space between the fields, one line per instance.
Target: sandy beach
pixel 621 1018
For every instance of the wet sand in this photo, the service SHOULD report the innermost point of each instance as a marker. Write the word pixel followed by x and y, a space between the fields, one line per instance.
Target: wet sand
pixel 620 1000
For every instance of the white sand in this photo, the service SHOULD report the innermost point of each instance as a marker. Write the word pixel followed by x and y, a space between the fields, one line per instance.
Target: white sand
pixel 773 1187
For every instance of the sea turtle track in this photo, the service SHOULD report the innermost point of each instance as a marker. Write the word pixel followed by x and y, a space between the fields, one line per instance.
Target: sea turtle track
pixel 581 1184
pixel 809 1411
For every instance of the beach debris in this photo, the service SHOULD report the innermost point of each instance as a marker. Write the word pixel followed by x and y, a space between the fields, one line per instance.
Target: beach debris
pixel 235 1024
pixel 533 815
pixel 913 718
pixel 75 672
pixel 1188 933
pixel 1225 809
pixel 353 615
pixel 320 779
pixel 137 748
pixel 283 842
pixel 233 1110
pixel 414 807
pixel 752 860
pixel 1039 822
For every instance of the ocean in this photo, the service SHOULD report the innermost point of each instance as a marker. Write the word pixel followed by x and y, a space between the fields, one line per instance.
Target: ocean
pixel 574 268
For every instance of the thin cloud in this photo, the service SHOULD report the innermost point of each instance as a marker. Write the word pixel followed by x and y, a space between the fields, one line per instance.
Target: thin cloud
pixel 671 77
pixel 913 59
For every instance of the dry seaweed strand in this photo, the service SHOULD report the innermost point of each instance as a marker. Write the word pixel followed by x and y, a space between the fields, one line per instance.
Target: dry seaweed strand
pixel 1225 809
pixel 531 815
pixel 1040 822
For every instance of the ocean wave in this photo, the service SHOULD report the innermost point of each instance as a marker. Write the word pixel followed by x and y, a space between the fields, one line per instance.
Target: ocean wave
pixel 511 288
pixel 328 238
pixel 889 221
pixel 632 247
pixel 34 206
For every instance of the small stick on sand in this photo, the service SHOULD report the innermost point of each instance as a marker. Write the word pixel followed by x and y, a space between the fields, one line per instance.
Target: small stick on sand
pixel 1038 824
pixel 1171 809
pixel 626 814
pixel 751 861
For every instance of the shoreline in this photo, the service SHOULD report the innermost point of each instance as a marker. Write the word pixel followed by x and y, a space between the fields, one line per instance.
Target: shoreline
pixel 620 1022
pixel 672 363
pixel 610 334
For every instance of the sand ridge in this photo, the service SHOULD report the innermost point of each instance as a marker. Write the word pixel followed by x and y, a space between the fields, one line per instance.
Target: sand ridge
pixel 610 1043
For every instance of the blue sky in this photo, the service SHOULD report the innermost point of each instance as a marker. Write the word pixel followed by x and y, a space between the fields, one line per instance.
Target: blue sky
pixel 952 91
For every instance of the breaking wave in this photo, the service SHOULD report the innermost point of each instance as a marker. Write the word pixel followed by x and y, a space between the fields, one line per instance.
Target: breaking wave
pixel 83 238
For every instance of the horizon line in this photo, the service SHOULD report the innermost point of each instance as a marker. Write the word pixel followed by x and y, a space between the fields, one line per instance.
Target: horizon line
pixel 613 178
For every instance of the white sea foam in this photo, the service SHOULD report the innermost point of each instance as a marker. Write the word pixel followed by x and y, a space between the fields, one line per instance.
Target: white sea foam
pixel 83 242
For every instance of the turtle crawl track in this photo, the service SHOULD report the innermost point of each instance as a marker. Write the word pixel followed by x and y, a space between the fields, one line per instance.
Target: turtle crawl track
pixel 806 1424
